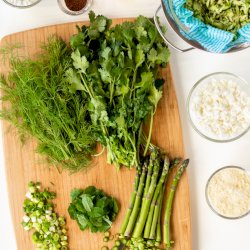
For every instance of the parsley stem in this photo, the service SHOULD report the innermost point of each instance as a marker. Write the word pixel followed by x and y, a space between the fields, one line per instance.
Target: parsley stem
pixel 149 134
pixel 86 86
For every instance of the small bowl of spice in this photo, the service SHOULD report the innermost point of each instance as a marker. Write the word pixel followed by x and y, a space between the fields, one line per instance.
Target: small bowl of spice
pixel 74 7
pixel 219 107
pixel 228 192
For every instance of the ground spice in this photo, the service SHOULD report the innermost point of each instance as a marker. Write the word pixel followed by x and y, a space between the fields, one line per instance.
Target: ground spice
pixel 75 5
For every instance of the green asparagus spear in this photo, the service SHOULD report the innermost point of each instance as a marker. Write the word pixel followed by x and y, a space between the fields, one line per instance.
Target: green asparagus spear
pixel 131 203
pixel 155 197
pixel 152 159
pixel 166 228
pixel 157 209
pixel 147 201
pixel 136 208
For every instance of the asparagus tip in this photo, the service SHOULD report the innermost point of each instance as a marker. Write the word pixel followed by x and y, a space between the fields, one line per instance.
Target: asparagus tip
pixel 186 162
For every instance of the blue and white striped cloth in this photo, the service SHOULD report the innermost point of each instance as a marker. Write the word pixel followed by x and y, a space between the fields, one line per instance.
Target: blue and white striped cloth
pixel 210 38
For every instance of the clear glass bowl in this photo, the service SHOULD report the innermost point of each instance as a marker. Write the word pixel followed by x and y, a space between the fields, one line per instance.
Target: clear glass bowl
pixel 66 10
pixel 244 86
pixel 21 3
pixel 210 202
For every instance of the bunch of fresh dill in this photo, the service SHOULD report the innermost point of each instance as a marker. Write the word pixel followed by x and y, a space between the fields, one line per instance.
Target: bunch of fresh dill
pixel 42 105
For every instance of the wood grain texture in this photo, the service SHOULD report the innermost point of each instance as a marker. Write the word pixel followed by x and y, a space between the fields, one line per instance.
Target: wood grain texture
pixel 23 164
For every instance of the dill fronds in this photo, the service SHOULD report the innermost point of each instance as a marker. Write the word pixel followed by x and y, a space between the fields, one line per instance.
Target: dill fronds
pixel 43 106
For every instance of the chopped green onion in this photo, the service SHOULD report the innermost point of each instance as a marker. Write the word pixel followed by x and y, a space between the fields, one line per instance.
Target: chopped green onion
pixel 49 232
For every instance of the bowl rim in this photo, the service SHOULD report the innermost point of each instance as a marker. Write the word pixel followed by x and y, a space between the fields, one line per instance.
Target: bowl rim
pixel 188 107
pixel 206 193
pixel 22 7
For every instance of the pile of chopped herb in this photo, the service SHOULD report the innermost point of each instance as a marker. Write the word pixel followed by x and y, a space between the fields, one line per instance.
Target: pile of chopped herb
pixel 229 15
pixel 49 231
pixel 93 209
pixel 118 70
pixel 41 105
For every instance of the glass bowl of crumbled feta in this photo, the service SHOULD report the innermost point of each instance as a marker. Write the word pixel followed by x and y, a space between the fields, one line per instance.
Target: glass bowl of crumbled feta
pixel 219 107
pixel 22 3
pixel 228 192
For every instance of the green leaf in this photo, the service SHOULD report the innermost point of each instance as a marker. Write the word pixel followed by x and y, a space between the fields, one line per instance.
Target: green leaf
pixel 79 206
pixel 91 190
pixel 141 32
pixel 74 80
pixel 116 207
pixel 92 16
pixel 82 220
pixel 75 193
pixel 72 211
pixel 105 75
pixel 147 80
pixel 105 218
pixel 120 121
pixel 76 41
pixel 159 56
pixel 139 57
pixel 80 62
pixel 106 53
pixel 155 95
pixel 87 202
pixel 96 212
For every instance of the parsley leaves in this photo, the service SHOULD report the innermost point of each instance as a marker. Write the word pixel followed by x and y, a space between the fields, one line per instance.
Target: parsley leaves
pixel 117 70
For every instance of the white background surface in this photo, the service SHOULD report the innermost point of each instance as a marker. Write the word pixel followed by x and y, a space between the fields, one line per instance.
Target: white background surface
pixel 209 231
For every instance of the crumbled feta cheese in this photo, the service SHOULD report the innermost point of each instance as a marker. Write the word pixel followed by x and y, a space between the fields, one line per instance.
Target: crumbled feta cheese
pixel 221 109
pixel 229 192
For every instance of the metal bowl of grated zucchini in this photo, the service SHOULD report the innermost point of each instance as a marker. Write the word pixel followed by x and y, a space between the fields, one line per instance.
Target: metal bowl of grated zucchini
pixel 220 22
pixel 228 192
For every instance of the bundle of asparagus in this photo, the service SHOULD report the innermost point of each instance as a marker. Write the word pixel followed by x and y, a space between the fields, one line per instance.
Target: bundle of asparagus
pixel 141 227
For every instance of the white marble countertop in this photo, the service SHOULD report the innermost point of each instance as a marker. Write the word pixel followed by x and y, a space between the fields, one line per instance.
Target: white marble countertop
pixel 209 231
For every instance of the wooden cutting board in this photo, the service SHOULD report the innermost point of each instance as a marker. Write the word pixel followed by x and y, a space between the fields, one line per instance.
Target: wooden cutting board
pixel 22 164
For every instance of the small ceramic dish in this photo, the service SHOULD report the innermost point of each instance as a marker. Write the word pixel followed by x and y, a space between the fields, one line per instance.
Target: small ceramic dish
pixel 68 11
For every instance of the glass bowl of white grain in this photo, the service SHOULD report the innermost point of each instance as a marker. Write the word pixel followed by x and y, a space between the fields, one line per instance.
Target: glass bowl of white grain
pixel 228 192
pixel 219 107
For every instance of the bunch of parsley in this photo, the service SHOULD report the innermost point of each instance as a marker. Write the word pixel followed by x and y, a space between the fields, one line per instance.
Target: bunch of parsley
pixel 117 69
pixel 92 209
